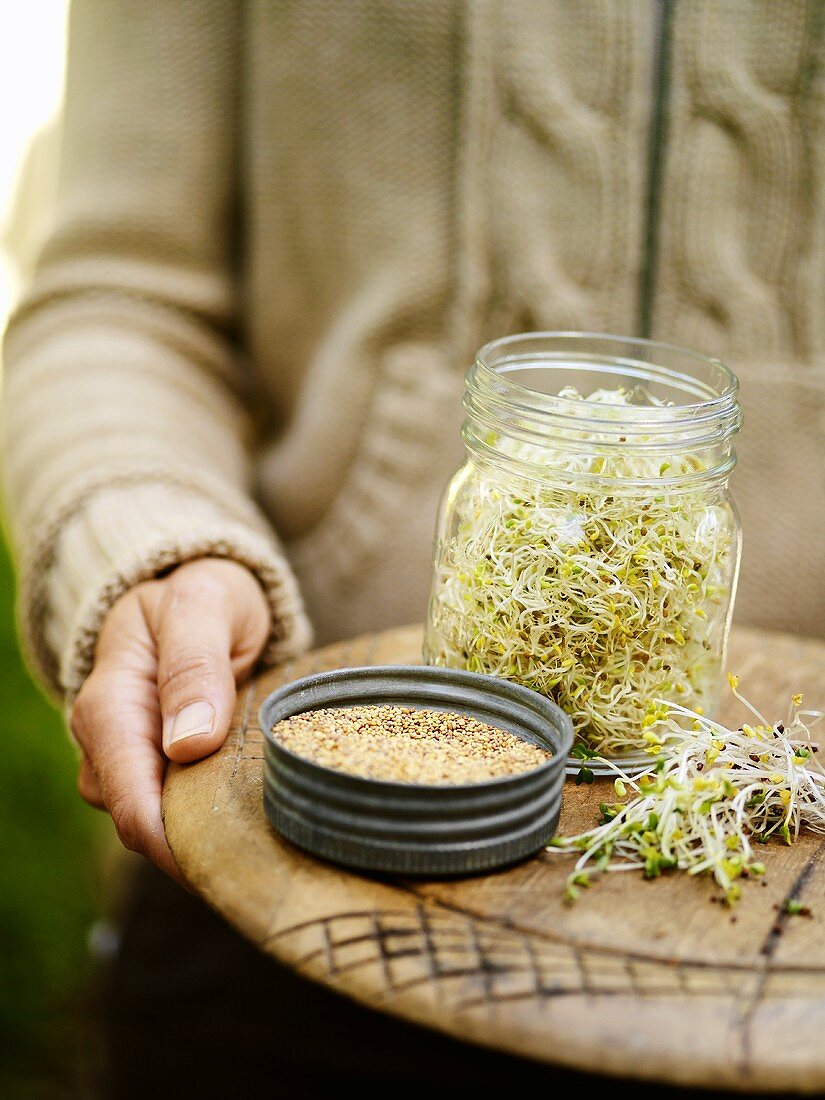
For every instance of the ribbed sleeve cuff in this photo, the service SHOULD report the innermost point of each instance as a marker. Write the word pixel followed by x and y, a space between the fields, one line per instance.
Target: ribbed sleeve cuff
pixel 122 535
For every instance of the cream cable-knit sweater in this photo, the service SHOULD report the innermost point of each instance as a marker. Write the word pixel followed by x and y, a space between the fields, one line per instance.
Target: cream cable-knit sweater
pixel 283 227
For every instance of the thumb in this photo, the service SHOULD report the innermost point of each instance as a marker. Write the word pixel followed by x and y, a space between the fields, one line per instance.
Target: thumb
pixel 196 680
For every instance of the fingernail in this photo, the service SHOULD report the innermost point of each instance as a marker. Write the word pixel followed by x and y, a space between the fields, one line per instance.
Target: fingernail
pixel 190 720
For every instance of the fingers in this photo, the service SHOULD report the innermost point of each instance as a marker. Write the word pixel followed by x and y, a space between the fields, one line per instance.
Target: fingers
pixel 196 685
pixel 116 720
pixel 210 627
pixel 166 663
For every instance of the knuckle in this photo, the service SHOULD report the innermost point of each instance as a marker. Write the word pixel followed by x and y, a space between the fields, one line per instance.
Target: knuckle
pixel 84 708
pixel 198 583
pixel 127 823
pixel 119 622
pixel 88 790
pixel 77 718
pixel 183 666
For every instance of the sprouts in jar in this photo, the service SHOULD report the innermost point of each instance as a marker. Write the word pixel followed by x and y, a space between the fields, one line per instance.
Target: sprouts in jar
pixel 588 548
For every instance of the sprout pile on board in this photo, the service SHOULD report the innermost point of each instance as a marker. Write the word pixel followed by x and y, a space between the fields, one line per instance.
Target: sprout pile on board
pixel 711 799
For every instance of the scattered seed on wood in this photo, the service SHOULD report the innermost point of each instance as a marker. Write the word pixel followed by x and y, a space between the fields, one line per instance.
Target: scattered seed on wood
pixel 795 908
pixel 407 745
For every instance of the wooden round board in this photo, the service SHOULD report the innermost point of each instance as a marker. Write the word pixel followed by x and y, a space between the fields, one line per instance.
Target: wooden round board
pixel 637 979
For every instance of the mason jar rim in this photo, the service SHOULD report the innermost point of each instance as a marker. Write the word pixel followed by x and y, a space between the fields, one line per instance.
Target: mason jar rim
pixel 500 408
pixel 718 398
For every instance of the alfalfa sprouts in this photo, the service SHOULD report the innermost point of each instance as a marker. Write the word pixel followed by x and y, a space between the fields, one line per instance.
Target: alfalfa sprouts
pixel 599 595
pixel 711 799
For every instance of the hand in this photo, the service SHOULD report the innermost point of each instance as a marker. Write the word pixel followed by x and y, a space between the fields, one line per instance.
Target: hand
pixel 168 658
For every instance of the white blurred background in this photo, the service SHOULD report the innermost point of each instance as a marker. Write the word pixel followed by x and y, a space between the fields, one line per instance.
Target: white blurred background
pixel 32 69
pixel 52 882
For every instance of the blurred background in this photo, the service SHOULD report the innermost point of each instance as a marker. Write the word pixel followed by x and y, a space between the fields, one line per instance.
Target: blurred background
pixel 53 848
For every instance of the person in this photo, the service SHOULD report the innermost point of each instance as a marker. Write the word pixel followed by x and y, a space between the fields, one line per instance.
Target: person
pixel 232 389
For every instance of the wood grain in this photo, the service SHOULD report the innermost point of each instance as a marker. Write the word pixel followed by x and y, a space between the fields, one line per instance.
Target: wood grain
pixel 638 979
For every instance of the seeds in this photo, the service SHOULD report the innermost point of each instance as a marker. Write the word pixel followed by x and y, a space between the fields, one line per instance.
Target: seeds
pixel 406 745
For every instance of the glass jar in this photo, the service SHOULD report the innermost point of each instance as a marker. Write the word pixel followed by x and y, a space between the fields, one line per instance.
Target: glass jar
pixel 588 547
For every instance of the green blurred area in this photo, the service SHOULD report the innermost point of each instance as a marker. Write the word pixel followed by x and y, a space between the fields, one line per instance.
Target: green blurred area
pixel 50 881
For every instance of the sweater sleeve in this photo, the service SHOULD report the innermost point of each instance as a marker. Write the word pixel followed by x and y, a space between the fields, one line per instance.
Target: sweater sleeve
pixel 127 428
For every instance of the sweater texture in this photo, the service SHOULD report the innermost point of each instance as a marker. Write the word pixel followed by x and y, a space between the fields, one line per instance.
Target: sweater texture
pixel 282 229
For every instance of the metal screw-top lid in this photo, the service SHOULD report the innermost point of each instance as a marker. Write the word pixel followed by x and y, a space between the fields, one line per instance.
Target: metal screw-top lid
pixel 409 828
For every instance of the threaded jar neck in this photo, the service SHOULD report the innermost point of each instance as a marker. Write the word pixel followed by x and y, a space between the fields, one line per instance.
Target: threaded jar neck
pixel 656 414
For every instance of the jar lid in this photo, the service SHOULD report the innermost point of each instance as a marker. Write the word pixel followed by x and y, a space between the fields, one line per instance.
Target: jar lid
pixel 409 828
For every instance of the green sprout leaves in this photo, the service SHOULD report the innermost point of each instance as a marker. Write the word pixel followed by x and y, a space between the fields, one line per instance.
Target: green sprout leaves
pixel 795 908
pixel 763 784
pixel 584 774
